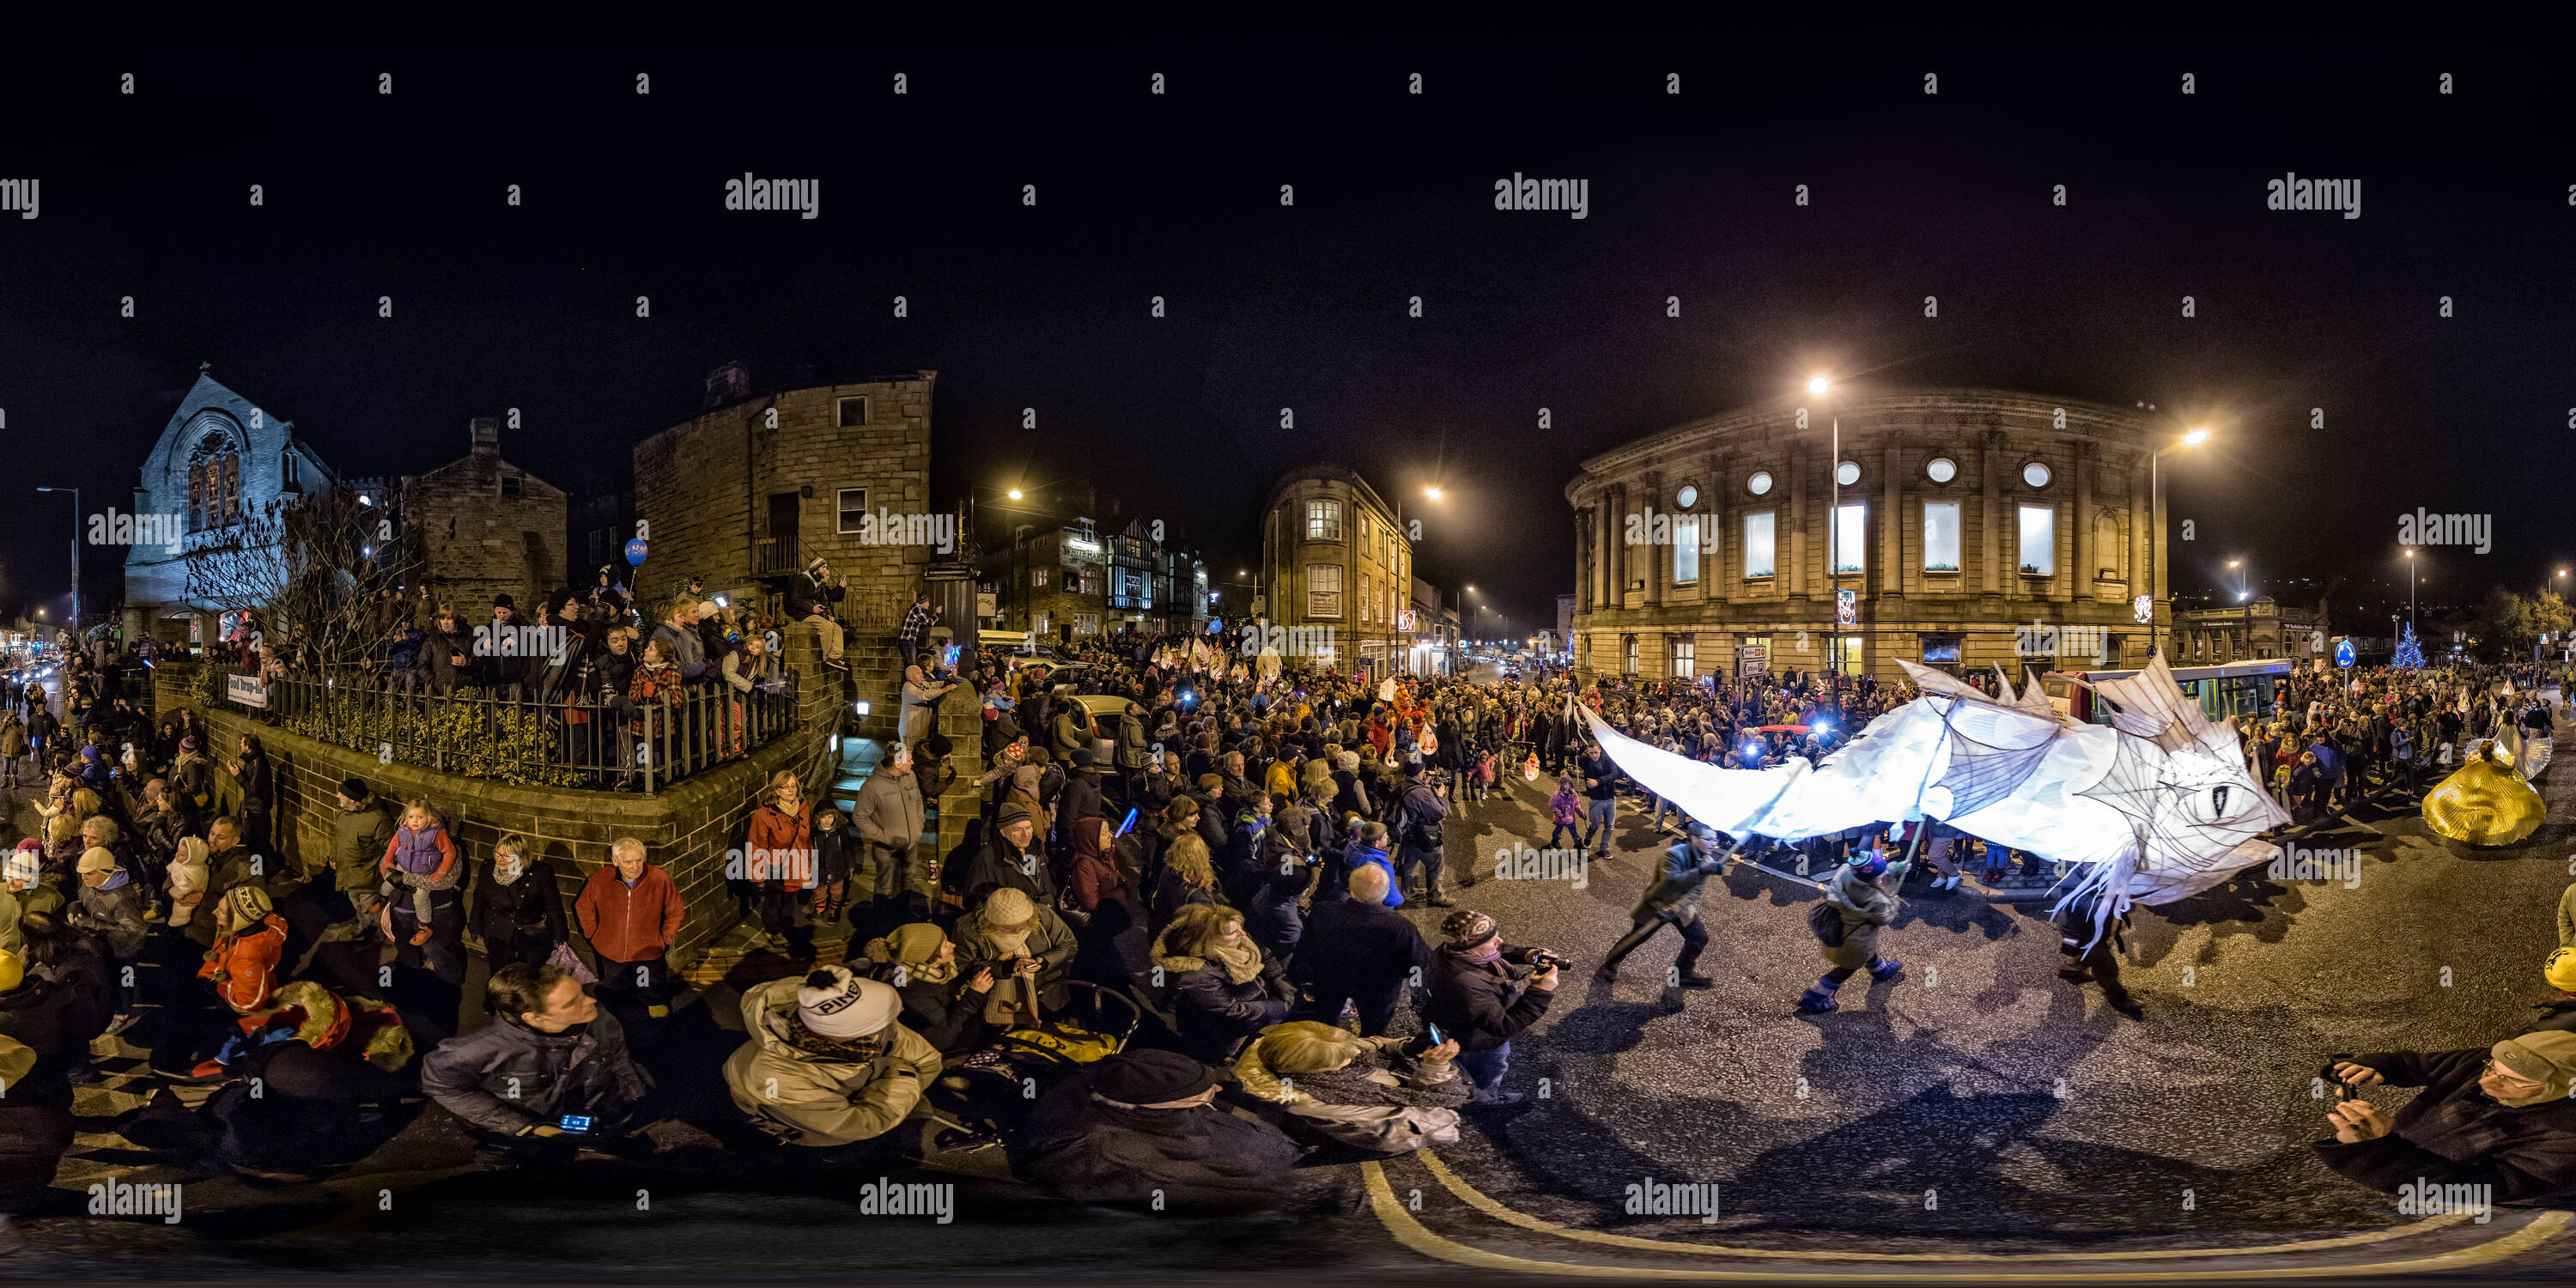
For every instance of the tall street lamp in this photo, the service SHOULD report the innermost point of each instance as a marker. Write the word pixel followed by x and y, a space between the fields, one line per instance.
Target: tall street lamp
pixel 2156 516
pixel 76 545
pixel 1819 386
pixel 2410 595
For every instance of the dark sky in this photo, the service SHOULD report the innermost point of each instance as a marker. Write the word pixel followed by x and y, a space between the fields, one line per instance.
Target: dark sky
pixel 2464 195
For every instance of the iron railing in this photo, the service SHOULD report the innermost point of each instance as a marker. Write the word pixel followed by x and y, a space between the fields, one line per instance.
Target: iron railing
pixel 514 734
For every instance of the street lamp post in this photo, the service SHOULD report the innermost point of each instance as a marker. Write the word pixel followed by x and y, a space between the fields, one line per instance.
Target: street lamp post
pixel 1819 386
pixel 2410 596
pixel 76 545
pixel 2156 517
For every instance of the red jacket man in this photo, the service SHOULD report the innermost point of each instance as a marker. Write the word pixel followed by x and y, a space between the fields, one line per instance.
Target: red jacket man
pixel 630 911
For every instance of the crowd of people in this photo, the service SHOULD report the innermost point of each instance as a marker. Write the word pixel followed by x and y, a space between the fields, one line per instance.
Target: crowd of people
pixel 1224 848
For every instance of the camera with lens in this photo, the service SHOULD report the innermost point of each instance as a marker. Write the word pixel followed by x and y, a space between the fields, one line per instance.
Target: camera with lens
pixel 1543 958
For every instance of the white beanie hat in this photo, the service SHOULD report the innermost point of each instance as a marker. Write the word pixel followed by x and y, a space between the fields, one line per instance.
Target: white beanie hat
pixel 22 865
pixel 836 1003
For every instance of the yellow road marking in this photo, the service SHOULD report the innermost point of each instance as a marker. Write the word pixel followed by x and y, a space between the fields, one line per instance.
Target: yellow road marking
pixel 1494 1208
pixel 1410 1232
pixel 1420 1238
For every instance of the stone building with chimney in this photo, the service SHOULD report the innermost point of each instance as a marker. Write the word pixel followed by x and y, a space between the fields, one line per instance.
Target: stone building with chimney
pixel 484 527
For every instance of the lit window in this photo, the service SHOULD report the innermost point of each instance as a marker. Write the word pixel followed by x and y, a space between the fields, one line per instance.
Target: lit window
pixel 2035 474
pixel 1941 537
pixel 1758 561
pixel 1686 550
pixel 1941 469
pixel 1851 527
pixel 1323 590
pixel 1689 497
pixel 1847 473
pixel 2039 540
pixel 1759 484
pixel 1323 520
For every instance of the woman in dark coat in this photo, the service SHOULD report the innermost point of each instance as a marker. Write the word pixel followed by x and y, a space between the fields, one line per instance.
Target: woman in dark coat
pixel 1223 987
pixel 259 794
pixel 941 1000
pixel 517 909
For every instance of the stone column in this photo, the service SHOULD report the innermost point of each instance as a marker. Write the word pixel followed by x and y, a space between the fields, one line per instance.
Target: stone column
pixel 2084 553
pixel 1993 461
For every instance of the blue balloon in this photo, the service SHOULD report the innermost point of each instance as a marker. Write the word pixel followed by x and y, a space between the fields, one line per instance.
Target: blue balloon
pixel 635 553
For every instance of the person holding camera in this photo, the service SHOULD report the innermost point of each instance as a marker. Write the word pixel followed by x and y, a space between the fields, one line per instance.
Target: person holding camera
pixel 1672 898
pixel 2497 1116
pixel 1483 992
pixel 1419 813
pixel 548 1075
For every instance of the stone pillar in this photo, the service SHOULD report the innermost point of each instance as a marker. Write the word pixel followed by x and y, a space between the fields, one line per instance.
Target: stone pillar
pixel 1795 538
pixel 2084 556
pixel 1654 562
pixel 1994 460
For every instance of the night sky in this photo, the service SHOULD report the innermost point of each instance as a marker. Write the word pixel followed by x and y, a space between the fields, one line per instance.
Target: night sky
pixel 2465 195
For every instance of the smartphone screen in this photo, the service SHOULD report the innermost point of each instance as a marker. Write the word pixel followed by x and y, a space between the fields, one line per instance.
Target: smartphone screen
pixel 1131 822
pixel 1436 1036
pixel 948 656
pixel 574 1122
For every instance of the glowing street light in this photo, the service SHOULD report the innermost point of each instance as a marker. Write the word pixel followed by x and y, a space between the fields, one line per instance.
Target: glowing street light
pixel 1014 494
pixel 2156 515
pixel 1432 492
pixel 1818 384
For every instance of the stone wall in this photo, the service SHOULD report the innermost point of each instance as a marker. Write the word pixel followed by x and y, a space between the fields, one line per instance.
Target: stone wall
pixel 706 486
pixel 476 542
pixel 686 827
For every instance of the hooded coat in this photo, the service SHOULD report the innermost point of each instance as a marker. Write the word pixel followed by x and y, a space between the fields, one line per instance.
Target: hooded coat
pixel 1382 1101
pixel 1864 908
pixel 820 1100
pixel 1211 1011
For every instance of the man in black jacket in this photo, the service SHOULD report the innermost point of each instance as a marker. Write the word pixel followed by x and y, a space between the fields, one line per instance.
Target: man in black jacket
pixel 1417 827
pixel 1139 1129
pixel 550 1059
pixel 1359 951
pixel 1601 798
pixel 1673 898
pixel 2499 1117
pixel 1483 992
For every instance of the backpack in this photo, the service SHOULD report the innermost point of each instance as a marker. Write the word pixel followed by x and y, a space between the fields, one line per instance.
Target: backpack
pixel 1827 922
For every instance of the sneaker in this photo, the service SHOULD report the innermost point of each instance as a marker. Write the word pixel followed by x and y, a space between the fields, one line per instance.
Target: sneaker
pixel 1496 1099
pixel 1694 979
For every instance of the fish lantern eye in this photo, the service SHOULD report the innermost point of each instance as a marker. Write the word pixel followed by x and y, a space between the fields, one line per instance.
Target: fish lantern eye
pixel 2218 801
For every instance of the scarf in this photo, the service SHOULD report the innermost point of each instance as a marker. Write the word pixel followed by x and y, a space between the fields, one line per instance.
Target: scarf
pixel 1014 945
pixel 1242 962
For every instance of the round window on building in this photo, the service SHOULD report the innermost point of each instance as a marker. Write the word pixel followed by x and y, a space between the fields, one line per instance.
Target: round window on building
pixel 1759 484
pixel 1688 497
pixel 1847 473
pixel 2035 474
pixel 1941 469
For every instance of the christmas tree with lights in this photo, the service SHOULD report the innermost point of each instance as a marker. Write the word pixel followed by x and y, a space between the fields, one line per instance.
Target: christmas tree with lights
pixel 2410 656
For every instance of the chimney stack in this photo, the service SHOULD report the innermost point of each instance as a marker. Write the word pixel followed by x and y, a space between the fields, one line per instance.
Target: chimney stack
pixel 729 383
pixel 486 433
